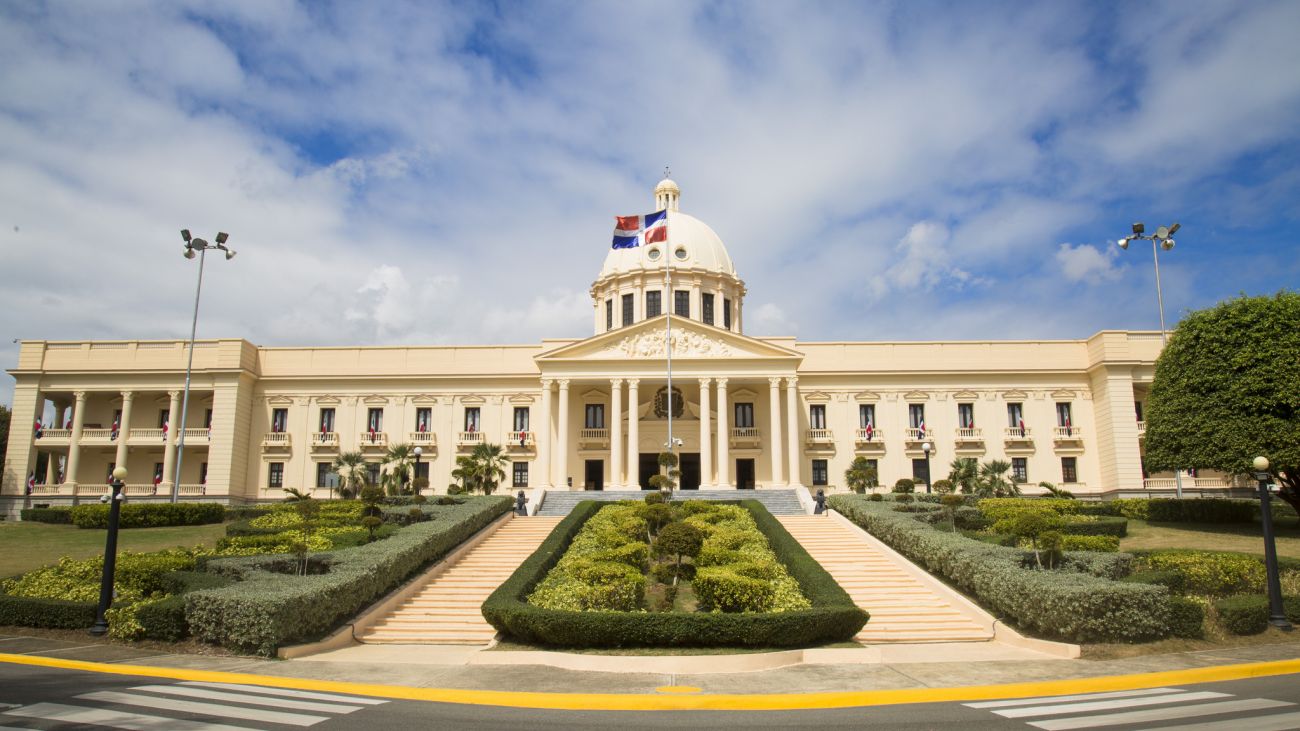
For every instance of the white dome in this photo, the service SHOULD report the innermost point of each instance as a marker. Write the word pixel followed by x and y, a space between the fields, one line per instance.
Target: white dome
pixel 691 243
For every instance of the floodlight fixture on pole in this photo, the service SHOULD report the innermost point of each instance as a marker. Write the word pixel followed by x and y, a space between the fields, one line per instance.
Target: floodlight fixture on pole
pixel 193 244
pixel 1161 239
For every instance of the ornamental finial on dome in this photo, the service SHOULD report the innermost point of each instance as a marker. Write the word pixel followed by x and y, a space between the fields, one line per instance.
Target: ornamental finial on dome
pixel 666 193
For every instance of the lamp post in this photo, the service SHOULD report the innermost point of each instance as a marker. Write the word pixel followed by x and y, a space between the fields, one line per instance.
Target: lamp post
pixel 416 475
pixel 1161 239
pixel 100 627
pixel 1276 615
pixel 191 245
pixel 927 448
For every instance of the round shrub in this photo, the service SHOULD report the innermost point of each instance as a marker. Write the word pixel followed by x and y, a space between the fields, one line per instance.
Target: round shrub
pixel 943 487
pixel 655 498
pixel 1174 581
pixel 875 497
pixel 721 589
pixel 903 498
pixel 1101 544
pixel 679 539
pixel 664 573
pixel 1246 614
pixel 905 485
pixel 1186 618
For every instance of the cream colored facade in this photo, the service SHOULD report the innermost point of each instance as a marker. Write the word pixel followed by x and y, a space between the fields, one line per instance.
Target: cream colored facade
pixel 755 411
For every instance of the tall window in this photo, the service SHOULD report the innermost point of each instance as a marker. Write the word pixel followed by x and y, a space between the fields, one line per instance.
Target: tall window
pixel 595 416
pixel 744 416
pixel 207 417
pixel 372 473
pixel 164 416
pixel 817 416
pixel 471 418
pixel 422 469
pixel 1015 415
pixel 627 310
pixel 157 473
pixel 916 416
pixel 203 473
pixel 1063 415
pixel 1020 470
pixel 819 472
pixel 424 419
pixel 726 313
pixel 375 420
pixel 609 314
pixel 706 308
pixel 275 475
pixel 866 416
pixel 653 303
pixel 326 420
pixel 1069 469
pixel 326 477
pixel 682 303
pixel 920 472
pixel 521 418
pixel 520 474
pixel 1137 407
pixel 966 416
pixel 279 420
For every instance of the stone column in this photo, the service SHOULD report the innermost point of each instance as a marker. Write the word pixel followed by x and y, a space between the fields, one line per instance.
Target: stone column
pixel 543 437
pixel 51 468
pixel 792 428
pixel 706 449
pixel 724 435
pixel 633 436
pixel 74 445
pixel 774 427
pixel 616 432
pixel 169 442
pixel 562 442
pixel 124 429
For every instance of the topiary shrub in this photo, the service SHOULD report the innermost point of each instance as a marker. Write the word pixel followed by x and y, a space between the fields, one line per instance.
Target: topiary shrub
pixel 942 487
pixel 1202 510
pixel 1210 573
pixel 150 515
pixel 726 589
pixel 1245 614
pixel 876 497
pixel 655 498
pixel 1186 617
pixel 1103 544
pixel 1174 581
pixel 905 486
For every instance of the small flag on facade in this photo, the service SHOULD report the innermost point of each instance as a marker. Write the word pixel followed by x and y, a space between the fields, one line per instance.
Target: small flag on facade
pixel 40 430
pixel 871 430
pixel 31 483
pixel 921 430
pixel 117 427
pixel 633 231
pixel 164 430
pixel 1022 428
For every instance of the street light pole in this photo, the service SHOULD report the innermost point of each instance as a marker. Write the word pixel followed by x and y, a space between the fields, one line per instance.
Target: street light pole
pixel 100 627
pixel 927 448
pixel 192 244
pixel 1161 239
pixel 1276 613
pixel 418 451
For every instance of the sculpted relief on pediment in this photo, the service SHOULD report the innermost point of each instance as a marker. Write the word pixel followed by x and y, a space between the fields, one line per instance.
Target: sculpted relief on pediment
pixel 686 344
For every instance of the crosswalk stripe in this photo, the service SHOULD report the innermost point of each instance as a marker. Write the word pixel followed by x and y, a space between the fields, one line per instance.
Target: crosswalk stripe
pixel 286 692
pixel 1277 722
pixel 1061 708
pixel 1164 714
pixel 248 699
pixel 115 719
pixel 1067 698
pixel 207 709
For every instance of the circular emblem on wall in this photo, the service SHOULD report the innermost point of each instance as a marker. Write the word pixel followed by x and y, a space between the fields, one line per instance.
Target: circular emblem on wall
pixel 661 403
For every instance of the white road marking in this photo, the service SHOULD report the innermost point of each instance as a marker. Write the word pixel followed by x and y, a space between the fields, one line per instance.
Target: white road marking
pixel 1067 698
pixel 1278 722
pixel 1165 714
pixel 214 695
pixel 115 719
pixel 288 693
pixel 1058 709
pixel 207 709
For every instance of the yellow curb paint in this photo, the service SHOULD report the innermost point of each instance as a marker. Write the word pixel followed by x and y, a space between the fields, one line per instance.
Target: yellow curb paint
pixel 678 689
pixel 702 702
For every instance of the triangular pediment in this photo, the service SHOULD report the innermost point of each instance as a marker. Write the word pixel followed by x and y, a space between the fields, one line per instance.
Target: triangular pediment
pixel 867 396
pixel 966 395
pixel 1014 394
pixel 691 340
pixel 819 397
pixel 1062 394
pixel 916 396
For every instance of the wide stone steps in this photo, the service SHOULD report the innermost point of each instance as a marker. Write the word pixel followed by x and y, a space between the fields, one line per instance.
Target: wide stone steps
pixel 777 501
pixel 903 609
pixel 446 611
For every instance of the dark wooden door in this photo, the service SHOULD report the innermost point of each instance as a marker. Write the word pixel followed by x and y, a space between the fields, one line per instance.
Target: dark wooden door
pixel 595 475
pixel 745 474
pixel 689 464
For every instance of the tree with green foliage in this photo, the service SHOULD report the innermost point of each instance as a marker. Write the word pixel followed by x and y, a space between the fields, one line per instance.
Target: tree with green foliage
pixel 666 480
pixel 964 472
pixel 993 480
pixel 491 462
pixel 395 471
pixel 1055 491
pixel 351 469
pixel 861 476
pixel 1227 390
pixel 1031 524
pixel 678 540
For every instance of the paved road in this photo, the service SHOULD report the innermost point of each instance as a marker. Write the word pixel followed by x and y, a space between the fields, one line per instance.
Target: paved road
pixel 51 698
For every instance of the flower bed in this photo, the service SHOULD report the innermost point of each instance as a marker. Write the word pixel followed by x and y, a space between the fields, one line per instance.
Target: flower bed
pixel 599 617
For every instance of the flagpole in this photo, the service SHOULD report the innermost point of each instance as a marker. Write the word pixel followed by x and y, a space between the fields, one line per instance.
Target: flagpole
pixel 668 334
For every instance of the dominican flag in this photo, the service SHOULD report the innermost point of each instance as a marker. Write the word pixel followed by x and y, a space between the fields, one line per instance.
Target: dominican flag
pixel 157 480
pixel 164 430
pixel 1067 422
pixel 40 430
pixel 1022 428
pixel 871 430
pixel 523 438
pixel 921 430
pixel 116 428
pixel 633 231
pixel 31 483
pixel 323 430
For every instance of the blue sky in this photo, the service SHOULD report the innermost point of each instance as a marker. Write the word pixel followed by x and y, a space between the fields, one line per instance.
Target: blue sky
pixel 447 173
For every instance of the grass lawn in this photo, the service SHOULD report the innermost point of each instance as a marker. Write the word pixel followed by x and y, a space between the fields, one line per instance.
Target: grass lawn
pixel 26 546
pixel 1246 538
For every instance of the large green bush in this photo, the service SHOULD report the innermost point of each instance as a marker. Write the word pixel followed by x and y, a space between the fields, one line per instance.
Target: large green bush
pixel 1197 510
pixel 1208 572
pixel 832 616
pixel 267 607
pixel 1079 602
pixel 150 515
pixel 23 611
pixel 1245 614
pixel 61 516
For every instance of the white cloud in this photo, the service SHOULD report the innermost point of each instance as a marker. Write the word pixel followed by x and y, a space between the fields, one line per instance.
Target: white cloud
pixel 1086 263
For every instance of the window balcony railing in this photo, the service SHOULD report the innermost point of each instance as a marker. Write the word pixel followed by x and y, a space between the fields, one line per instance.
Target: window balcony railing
pixel 1018 434
pixel 520 440
pixel 469 439
pixel 1142 428
pixel 270 440
pixel 96 436
pixel 818 437
pixel 969 434
pixel 869 437
pixel 593 438
pixel 422 438
pixel 373 439
pixel 55 435
pixel 137 488
pixel 185 489
pixel 1067 434
pixel 746 436
pixel 325 440
pixel 147 435
pixel 917 435
pixel 50 489
pixel 197 435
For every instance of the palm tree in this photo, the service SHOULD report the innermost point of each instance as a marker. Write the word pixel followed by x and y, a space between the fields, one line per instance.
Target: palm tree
pixel 351 469
pixel 964 473
pixel 396 467
pixel 860 475
pixel 993 479
pixel 466 473
pixel 491 466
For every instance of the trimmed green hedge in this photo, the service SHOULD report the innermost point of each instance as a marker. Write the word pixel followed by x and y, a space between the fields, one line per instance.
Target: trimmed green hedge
pixel 61 516
pixel 24 611
pixel 1097 526
pixel 1244 614
pixel 833 615
pixel 1198 510
pixel 164 619
pixel 269 607
pixel 1079 602
pixel 150 515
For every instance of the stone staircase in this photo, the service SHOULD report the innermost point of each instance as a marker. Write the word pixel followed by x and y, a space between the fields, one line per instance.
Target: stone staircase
pixel 446 611
pixel 903 608
pixel 778 502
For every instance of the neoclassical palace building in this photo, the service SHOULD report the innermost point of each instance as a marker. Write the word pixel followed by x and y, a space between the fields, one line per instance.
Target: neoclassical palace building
pixel 750 411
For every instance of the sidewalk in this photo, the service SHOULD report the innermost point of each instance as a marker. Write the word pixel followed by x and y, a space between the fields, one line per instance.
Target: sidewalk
pixel 806 678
